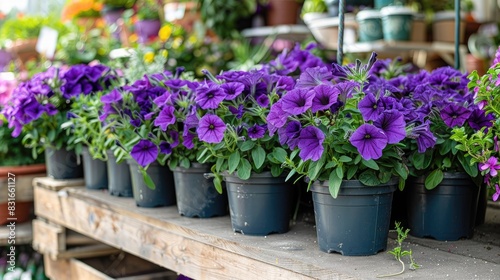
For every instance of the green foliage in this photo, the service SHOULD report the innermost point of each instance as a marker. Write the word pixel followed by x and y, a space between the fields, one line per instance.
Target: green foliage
pixel 12 151
pixel 399 253
pixel 222 16
pixel 147 10
pixel 127 4
pixel 28 27
pixel 313 6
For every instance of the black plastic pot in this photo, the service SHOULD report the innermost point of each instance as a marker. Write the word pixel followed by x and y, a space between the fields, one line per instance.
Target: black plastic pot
pixel 356 223
pixel 63 164
pixel 447 212
pixel 119 181
pixel 196 195
pixel 260 205
pixel 164 192
pixel 95 172
pixel 482 204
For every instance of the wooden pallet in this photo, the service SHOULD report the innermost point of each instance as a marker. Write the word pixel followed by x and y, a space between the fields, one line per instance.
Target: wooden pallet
pixel 56 185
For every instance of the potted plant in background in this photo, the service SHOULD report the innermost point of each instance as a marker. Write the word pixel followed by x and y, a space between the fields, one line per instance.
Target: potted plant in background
pixel 148 20
pixel 39 107
pixel 112 10
pixel 442 193
pixel 85 13
pixel 344 136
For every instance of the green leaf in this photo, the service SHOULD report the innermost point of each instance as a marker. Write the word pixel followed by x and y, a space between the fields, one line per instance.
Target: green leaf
pixel 279 154
pixel 401 170
pixel 370 164
pixel 276 170
pixel 446 162
pixel 369 178
pixel 330 164
pixel 315 167
pixel 334 183
pixel 259 156
pixel 472 170
pixel 340 172
pixel 234 161
pixel 351 171
pixel 219 164
pixel 244 169
pixel 418 160
pixel 434 178
pixel 247 145
pixel 147 179
pixel 218 183
pixel 290 174
pixel 185 163
pixel 345 159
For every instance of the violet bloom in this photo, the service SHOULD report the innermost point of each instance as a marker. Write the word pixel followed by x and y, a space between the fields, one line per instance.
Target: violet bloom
pixel 112 97
pixel 492 165
pixel 256 131
pixel 211 129
pixel 144 152
pixel 424 137
pixel 277 117
pixel 263 100
pixel 297 101
pixel 370 108
pixel 311 143
pixel 324 97
pixel 312 77
pixel 187 140
pixel 497 193
pixel 290 134
pixel 238 112
pixel 165 148
pixel 369 140
pixel 209 95
pixel 163 99
pixel 455 115
pixel 393 125
pixel 165 118
pixel 478 119
pixel 232 89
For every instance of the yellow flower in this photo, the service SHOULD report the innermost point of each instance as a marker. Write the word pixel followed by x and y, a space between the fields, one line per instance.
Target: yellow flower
pixel 192 39
pixel 164 53
pixel 149 57
pixel 165 33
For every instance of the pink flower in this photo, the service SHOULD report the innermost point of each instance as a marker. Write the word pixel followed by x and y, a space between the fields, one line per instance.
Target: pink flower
pixel 497 193
pixel 492 165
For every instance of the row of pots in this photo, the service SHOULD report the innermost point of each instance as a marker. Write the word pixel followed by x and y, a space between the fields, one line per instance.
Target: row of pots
pixel 357 222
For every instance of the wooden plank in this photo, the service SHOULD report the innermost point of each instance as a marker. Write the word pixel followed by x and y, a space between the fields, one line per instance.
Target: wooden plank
pixel 48 239
pixel 82 271
pixel 176 247
pixel 57 269
pixel 23 234
pixel 87 251
pixel 75 238
pixel 56 185
pixel 47 204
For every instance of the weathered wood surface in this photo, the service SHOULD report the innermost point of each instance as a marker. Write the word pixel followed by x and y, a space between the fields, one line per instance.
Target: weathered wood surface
pixel 209 249
pixel 56 185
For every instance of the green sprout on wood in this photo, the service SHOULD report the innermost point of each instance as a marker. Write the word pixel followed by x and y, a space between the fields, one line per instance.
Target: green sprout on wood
pixel 398 251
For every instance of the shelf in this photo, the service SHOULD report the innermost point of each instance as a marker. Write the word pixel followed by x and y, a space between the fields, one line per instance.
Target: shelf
pixel 287 32
pixel 209 249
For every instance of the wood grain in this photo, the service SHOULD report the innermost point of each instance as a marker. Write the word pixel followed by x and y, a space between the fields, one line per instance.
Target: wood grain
pixel 56 185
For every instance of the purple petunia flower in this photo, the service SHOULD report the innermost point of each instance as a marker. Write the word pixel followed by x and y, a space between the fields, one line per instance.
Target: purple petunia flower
pixel 425 139
pixel 455 115
pixel 144 152
pixel 324 97
pixel 165 118
pixel 188 138
pixel 492 165
pixel 238 112
pixel 263 100
pixel 290 134
pixel 209 95
pixel 393 125
pixel 211 129
pixel 312 77
pixel 113 97
pixel 497 190
pixel 369 140
pixel 478 119
pixel 163 99
pixel 297 101
pixel 277 117
pixel 232 89
pixel 370 107
pixel 165 148
pixel 311 143
pixel 256 131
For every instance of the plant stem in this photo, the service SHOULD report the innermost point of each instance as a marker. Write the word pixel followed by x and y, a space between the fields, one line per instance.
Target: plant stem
pixel 394 274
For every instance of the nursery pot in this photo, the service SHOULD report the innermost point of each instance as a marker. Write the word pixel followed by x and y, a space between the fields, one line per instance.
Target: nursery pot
pixel 95 171
pixel 164 192
pixel 260 205
pixel 147 29
pixel 396 23
pixel 282 12
pixel 196 195
pixel 119 182
pixel 370 25
pixel 63 164
pixel 111 16
pixel 447 212
pixel 356 223
pixel 443 27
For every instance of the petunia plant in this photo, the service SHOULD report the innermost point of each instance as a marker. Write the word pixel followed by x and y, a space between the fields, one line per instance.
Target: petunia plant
pixel 438 102
pixel 337 126
pixel 482 146
pixel 40 106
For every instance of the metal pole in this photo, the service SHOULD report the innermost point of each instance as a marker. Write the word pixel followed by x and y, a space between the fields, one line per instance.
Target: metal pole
pixel 457 34
pixel 340 50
